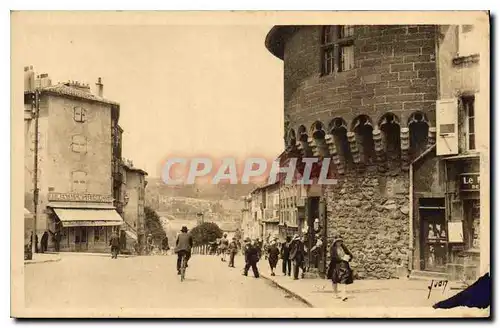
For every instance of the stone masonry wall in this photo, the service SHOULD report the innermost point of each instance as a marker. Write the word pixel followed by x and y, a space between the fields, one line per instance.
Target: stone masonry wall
pixel 395 70
pixel 371 213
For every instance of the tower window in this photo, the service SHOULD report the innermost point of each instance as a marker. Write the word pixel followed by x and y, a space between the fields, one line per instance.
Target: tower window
pixel 337 48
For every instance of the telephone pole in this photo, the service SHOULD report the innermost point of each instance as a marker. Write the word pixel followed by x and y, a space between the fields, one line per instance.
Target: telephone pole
pixel 36 109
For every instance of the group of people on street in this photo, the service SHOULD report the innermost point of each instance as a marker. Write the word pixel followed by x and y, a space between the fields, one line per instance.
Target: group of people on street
pixel 153 249
pixel 293 255
pixel 44 241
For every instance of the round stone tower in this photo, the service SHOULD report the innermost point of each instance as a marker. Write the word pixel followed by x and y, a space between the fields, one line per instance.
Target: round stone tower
pixel 364 96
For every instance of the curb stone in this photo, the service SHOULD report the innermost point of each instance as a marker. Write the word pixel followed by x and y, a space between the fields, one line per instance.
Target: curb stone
pixel 95 254
pixel 43 261
pixel 302 299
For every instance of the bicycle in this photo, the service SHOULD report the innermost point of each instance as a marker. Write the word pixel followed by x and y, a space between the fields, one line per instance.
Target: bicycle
pixel 183 266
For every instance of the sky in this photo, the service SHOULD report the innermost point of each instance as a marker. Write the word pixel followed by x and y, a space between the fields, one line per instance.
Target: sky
pixel 189 90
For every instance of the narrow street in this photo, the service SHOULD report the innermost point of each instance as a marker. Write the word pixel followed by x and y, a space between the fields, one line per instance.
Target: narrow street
pixel 80 281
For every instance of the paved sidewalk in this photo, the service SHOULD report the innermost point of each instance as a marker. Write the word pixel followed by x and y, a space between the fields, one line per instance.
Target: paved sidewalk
pixel 95 254
pixel 43 258
pixel 318 293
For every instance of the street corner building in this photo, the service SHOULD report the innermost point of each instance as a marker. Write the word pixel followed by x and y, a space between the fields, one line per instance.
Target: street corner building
pixel 74 182
pixel 385 103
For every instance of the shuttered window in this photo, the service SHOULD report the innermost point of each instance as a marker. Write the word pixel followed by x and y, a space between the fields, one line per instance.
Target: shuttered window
pixel 79 114
pixel 79 144
pixel 79 181
pixel 447 127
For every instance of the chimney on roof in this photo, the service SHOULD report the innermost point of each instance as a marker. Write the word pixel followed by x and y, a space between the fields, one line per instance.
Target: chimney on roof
pixel 99 87
pixel 45 81
pixel 79 86
pixel 29 78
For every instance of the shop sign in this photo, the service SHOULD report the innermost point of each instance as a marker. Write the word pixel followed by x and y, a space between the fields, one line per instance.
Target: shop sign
pixel 76 197
pixel 469 182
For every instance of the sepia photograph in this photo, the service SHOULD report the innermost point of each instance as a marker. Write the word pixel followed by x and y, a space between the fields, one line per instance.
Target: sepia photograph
pixel 252 164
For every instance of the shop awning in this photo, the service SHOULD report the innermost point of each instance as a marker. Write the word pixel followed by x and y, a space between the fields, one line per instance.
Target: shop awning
pixel 88 217
pixel 130 234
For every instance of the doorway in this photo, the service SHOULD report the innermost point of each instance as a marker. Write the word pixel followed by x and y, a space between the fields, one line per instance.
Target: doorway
pixel 433 234
pixel 81 239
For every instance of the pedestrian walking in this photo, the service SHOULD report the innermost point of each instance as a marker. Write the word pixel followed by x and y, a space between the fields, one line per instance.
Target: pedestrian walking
pixel 233 249
pixel 37 248
pixel 339 270
pixel 44 242
pixel 317 251
pixel 224 243
pixel 285 256
pixel 149 243
pixel 251 258
pixel 57 240
pixel 114 242
pixel 164 245
pixel 297 255
pixel 259 245
pixel 273 254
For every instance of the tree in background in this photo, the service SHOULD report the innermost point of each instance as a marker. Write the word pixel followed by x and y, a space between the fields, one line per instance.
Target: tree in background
pixel 206 232
pixel 153 225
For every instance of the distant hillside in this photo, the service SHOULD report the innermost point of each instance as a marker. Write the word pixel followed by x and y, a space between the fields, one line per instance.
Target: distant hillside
pixel 220 203
pixel 200 191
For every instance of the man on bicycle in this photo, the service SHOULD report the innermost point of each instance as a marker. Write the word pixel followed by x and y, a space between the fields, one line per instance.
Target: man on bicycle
pixel 183 247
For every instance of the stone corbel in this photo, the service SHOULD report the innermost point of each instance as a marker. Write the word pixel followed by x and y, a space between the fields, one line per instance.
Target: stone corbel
pixel 353 145
pixel 313 145
pixel 300 148
pixel 431 140
pixel 330 142
pixel 405 147
pixel 319 147
pixel 379 150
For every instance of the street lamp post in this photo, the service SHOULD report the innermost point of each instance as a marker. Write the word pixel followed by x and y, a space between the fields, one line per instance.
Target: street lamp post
pixel 36 105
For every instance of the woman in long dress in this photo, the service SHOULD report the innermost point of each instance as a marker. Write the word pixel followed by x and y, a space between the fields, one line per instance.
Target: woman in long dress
pixel 273 253
pixel 339 270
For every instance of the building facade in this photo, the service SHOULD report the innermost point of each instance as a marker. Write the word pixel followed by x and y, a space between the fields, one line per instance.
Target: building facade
pixel 271 217
pixel 69 163
pixel 292 210
pixel 134 201
pixel 365 97
pixel 447 212
pixel 249 225
pixel 257 204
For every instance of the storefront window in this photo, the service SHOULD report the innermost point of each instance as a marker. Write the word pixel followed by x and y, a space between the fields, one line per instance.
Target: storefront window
pixel 99 234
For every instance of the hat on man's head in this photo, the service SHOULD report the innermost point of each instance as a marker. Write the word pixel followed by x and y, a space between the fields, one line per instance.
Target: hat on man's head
pixel 247 240
pixel 184 229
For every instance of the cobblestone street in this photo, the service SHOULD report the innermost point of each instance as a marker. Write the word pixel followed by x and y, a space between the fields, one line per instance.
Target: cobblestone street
pixel 84 281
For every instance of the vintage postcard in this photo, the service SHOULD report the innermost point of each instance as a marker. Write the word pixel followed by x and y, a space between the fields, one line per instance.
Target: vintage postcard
pixel 250 164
